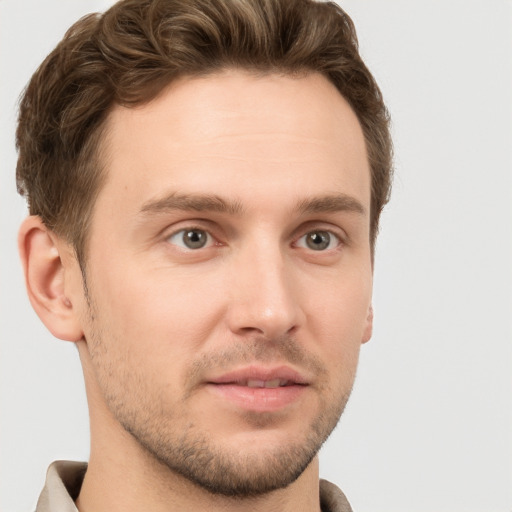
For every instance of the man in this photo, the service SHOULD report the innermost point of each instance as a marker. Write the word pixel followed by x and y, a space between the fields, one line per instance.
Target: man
pixel 205 180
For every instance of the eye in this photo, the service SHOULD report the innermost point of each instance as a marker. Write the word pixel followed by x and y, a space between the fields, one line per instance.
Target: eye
pixel 191 238
pixel 318 240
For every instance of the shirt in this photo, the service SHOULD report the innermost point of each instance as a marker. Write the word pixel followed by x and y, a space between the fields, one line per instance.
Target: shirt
pixel 64 479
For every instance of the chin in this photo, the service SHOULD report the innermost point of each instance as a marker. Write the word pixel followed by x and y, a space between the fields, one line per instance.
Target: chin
pixel 258 459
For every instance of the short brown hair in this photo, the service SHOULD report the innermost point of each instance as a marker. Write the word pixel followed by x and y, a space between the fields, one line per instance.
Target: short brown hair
pixel 131 52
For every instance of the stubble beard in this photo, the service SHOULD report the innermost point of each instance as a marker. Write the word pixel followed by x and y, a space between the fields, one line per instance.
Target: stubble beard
pixel 231 473
pixel 221 471
pixel 185 448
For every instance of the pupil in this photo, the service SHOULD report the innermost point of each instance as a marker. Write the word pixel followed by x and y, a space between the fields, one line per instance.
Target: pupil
pixel 195 239
pixel 318 240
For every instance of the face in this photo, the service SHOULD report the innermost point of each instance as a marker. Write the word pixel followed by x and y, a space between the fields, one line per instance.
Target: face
pixel 229 275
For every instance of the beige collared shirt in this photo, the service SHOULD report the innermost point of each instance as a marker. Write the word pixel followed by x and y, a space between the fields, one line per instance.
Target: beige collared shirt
pixel 64 479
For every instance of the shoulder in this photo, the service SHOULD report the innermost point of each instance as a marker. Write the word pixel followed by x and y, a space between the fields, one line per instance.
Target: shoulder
pixel 332 498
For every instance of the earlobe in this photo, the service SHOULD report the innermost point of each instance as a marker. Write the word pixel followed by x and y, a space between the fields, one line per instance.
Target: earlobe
pixel 367 334
pixel 44 278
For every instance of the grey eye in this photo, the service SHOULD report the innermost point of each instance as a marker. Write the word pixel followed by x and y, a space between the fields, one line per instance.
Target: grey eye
pixel 318 240
pixel 190 238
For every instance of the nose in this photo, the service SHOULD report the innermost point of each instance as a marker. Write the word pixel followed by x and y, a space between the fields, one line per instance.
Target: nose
pixel 264 296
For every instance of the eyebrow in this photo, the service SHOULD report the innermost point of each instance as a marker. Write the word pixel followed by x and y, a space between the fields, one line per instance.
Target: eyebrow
pixel 214 203
pixel 189 202
pixel 331 204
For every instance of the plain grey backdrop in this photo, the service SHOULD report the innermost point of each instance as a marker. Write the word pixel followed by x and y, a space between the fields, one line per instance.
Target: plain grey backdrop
pixel 429 425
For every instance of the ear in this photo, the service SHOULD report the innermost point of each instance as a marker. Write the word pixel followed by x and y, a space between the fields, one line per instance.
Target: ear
pixel 368 329
pixel 44 278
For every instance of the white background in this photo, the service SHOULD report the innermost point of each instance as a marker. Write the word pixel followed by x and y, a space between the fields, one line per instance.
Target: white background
pixel 429 427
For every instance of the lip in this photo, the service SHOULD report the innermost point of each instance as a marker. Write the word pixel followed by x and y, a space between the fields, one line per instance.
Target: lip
pixel 261 373
pixel 232 388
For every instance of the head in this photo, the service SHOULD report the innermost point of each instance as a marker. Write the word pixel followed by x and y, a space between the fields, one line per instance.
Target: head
pixel 210 176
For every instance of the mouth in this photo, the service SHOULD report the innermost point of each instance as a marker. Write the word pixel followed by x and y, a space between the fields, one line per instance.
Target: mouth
pixel 269 384
pixel 259 389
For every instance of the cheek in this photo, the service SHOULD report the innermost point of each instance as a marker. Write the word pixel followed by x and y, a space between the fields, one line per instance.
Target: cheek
pixel 338 318
pixel 160 315
pixel 341 301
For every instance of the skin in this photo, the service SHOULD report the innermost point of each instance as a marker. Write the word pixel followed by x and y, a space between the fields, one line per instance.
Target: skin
pixel 161 323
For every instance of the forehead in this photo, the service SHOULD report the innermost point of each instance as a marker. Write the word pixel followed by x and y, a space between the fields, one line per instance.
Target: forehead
pixel 227 132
